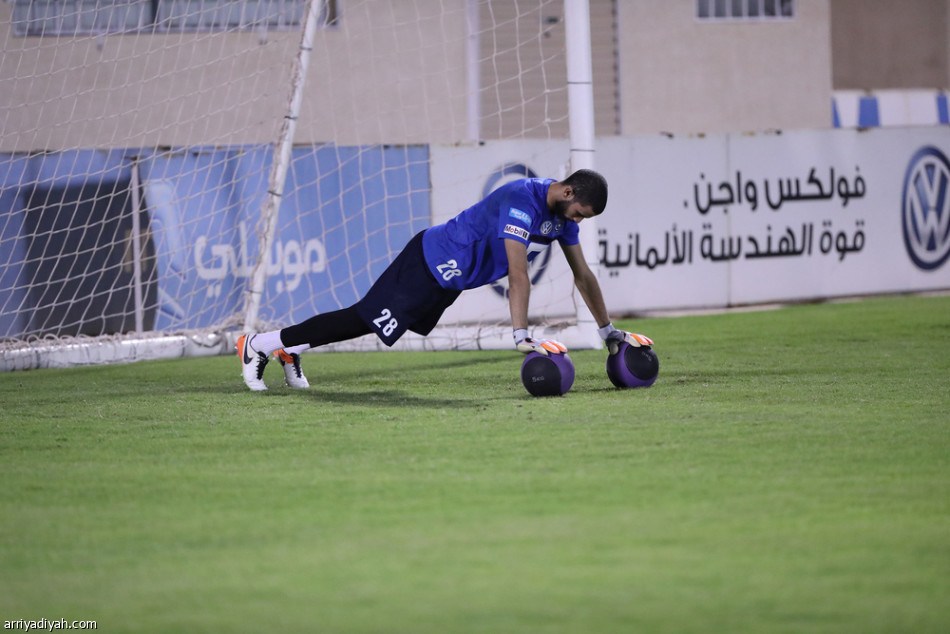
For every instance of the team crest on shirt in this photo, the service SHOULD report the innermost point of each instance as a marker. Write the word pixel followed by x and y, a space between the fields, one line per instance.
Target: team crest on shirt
pixel 517 231
pixel 546 227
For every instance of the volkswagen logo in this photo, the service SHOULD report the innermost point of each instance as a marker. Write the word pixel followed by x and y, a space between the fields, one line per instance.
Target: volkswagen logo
pixel 926 208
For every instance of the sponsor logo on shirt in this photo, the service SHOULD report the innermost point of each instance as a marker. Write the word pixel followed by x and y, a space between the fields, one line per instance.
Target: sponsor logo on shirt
pixel 515 230
pixel 517 214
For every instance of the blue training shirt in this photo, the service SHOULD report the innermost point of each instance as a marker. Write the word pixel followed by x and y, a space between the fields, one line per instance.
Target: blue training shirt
pixel 469 250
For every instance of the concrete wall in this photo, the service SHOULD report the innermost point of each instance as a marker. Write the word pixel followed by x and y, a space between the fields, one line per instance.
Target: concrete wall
pixel 879 44
pixel 395 72
pixel 683 75
pixel 523 73
pixel 379 78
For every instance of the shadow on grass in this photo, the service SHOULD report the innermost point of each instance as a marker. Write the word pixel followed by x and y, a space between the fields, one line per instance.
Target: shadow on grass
pixel 361 387
pixel 494 378
pixel 383 366
pixel 388 398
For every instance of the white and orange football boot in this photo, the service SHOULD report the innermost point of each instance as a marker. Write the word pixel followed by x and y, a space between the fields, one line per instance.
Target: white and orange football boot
pixel 293 374
pixel 252 363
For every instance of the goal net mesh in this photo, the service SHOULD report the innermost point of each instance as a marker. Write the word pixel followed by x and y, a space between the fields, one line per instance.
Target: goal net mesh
pixel 140 140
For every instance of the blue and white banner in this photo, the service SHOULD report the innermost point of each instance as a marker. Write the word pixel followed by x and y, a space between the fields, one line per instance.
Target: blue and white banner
pixel 68 225
pixel 344 214
pixel 691 222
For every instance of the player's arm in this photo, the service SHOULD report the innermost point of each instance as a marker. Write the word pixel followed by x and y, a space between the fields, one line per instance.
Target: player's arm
pixel 519 292
pixel 586 282
pixel 589 287
pixel 519 284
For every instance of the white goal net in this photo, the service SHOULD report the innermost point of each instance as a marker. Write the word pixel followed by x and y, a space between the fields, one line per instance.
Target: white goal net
pixel 175 171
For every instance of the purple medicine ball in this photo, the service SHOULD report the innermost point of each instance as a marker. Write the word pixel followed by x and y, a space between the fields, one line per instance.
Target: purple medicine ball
pixel 547 375
pixel 633 367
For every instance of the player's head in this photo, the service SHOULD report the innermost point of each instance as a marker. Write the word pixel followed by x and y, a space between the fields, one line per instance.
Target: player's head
pixel 590 188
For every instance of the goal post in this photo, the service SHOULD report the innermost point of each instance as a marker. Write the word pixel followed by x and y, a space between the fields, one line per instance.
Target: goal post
pixel 580 86
pixel 173 172
pixel 278 173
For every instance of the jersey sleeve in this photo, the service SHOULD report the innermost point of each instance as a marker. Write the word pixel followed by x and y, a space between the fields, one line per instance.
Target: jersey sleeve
pixel 515 219
pixel 570 235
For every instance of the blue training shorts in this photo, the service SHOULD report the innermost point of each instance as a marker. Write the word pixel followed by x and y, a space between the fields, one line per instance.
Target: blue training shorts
pixel 405 297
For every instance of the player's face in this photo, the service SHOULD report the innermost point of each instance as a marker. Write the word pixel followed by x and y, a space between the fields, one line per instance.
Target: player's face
pixel 573 210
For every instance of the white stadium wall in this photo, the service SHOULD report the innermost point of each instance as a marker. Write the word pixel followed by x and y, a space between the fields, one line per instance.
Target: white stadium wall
pixel 716 221
pixel 751 218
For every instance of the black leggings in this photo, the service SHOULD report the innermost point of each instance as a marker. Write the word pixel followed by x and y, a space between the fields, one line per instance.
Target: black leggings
pixel 319 330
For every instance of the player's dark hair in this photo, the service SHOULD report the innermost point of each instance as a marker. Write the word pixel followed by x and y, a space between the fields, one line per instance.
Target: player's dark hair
pixel 590 188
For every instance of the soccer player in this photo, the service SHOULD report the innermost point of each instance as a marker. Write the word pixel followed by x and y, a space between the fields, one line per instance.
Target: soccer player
pixel 496 237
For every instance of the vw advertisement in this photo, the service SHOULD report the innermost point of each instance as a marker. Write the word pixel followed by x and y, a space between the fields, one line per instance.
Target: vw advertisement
pixel 727 220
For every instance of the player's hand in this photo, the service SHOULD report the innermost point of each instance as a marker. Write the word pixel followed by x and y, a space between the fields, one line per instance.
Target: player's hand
pixel 613 338
pixel 528 345
pixel 544 346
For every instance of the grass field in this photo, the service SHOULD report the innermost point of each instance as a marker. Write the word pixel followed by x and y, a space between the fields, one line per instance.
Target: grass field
pixel 789 472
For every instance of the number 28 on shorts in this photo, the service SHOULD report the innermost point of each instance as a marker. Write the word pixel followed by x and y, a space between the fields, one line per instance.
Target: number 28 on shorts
pixel 386 323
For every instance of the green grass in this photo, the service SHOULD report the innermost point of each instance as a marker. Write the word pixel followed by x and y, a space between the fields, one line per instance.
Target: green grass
pixel 789 472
